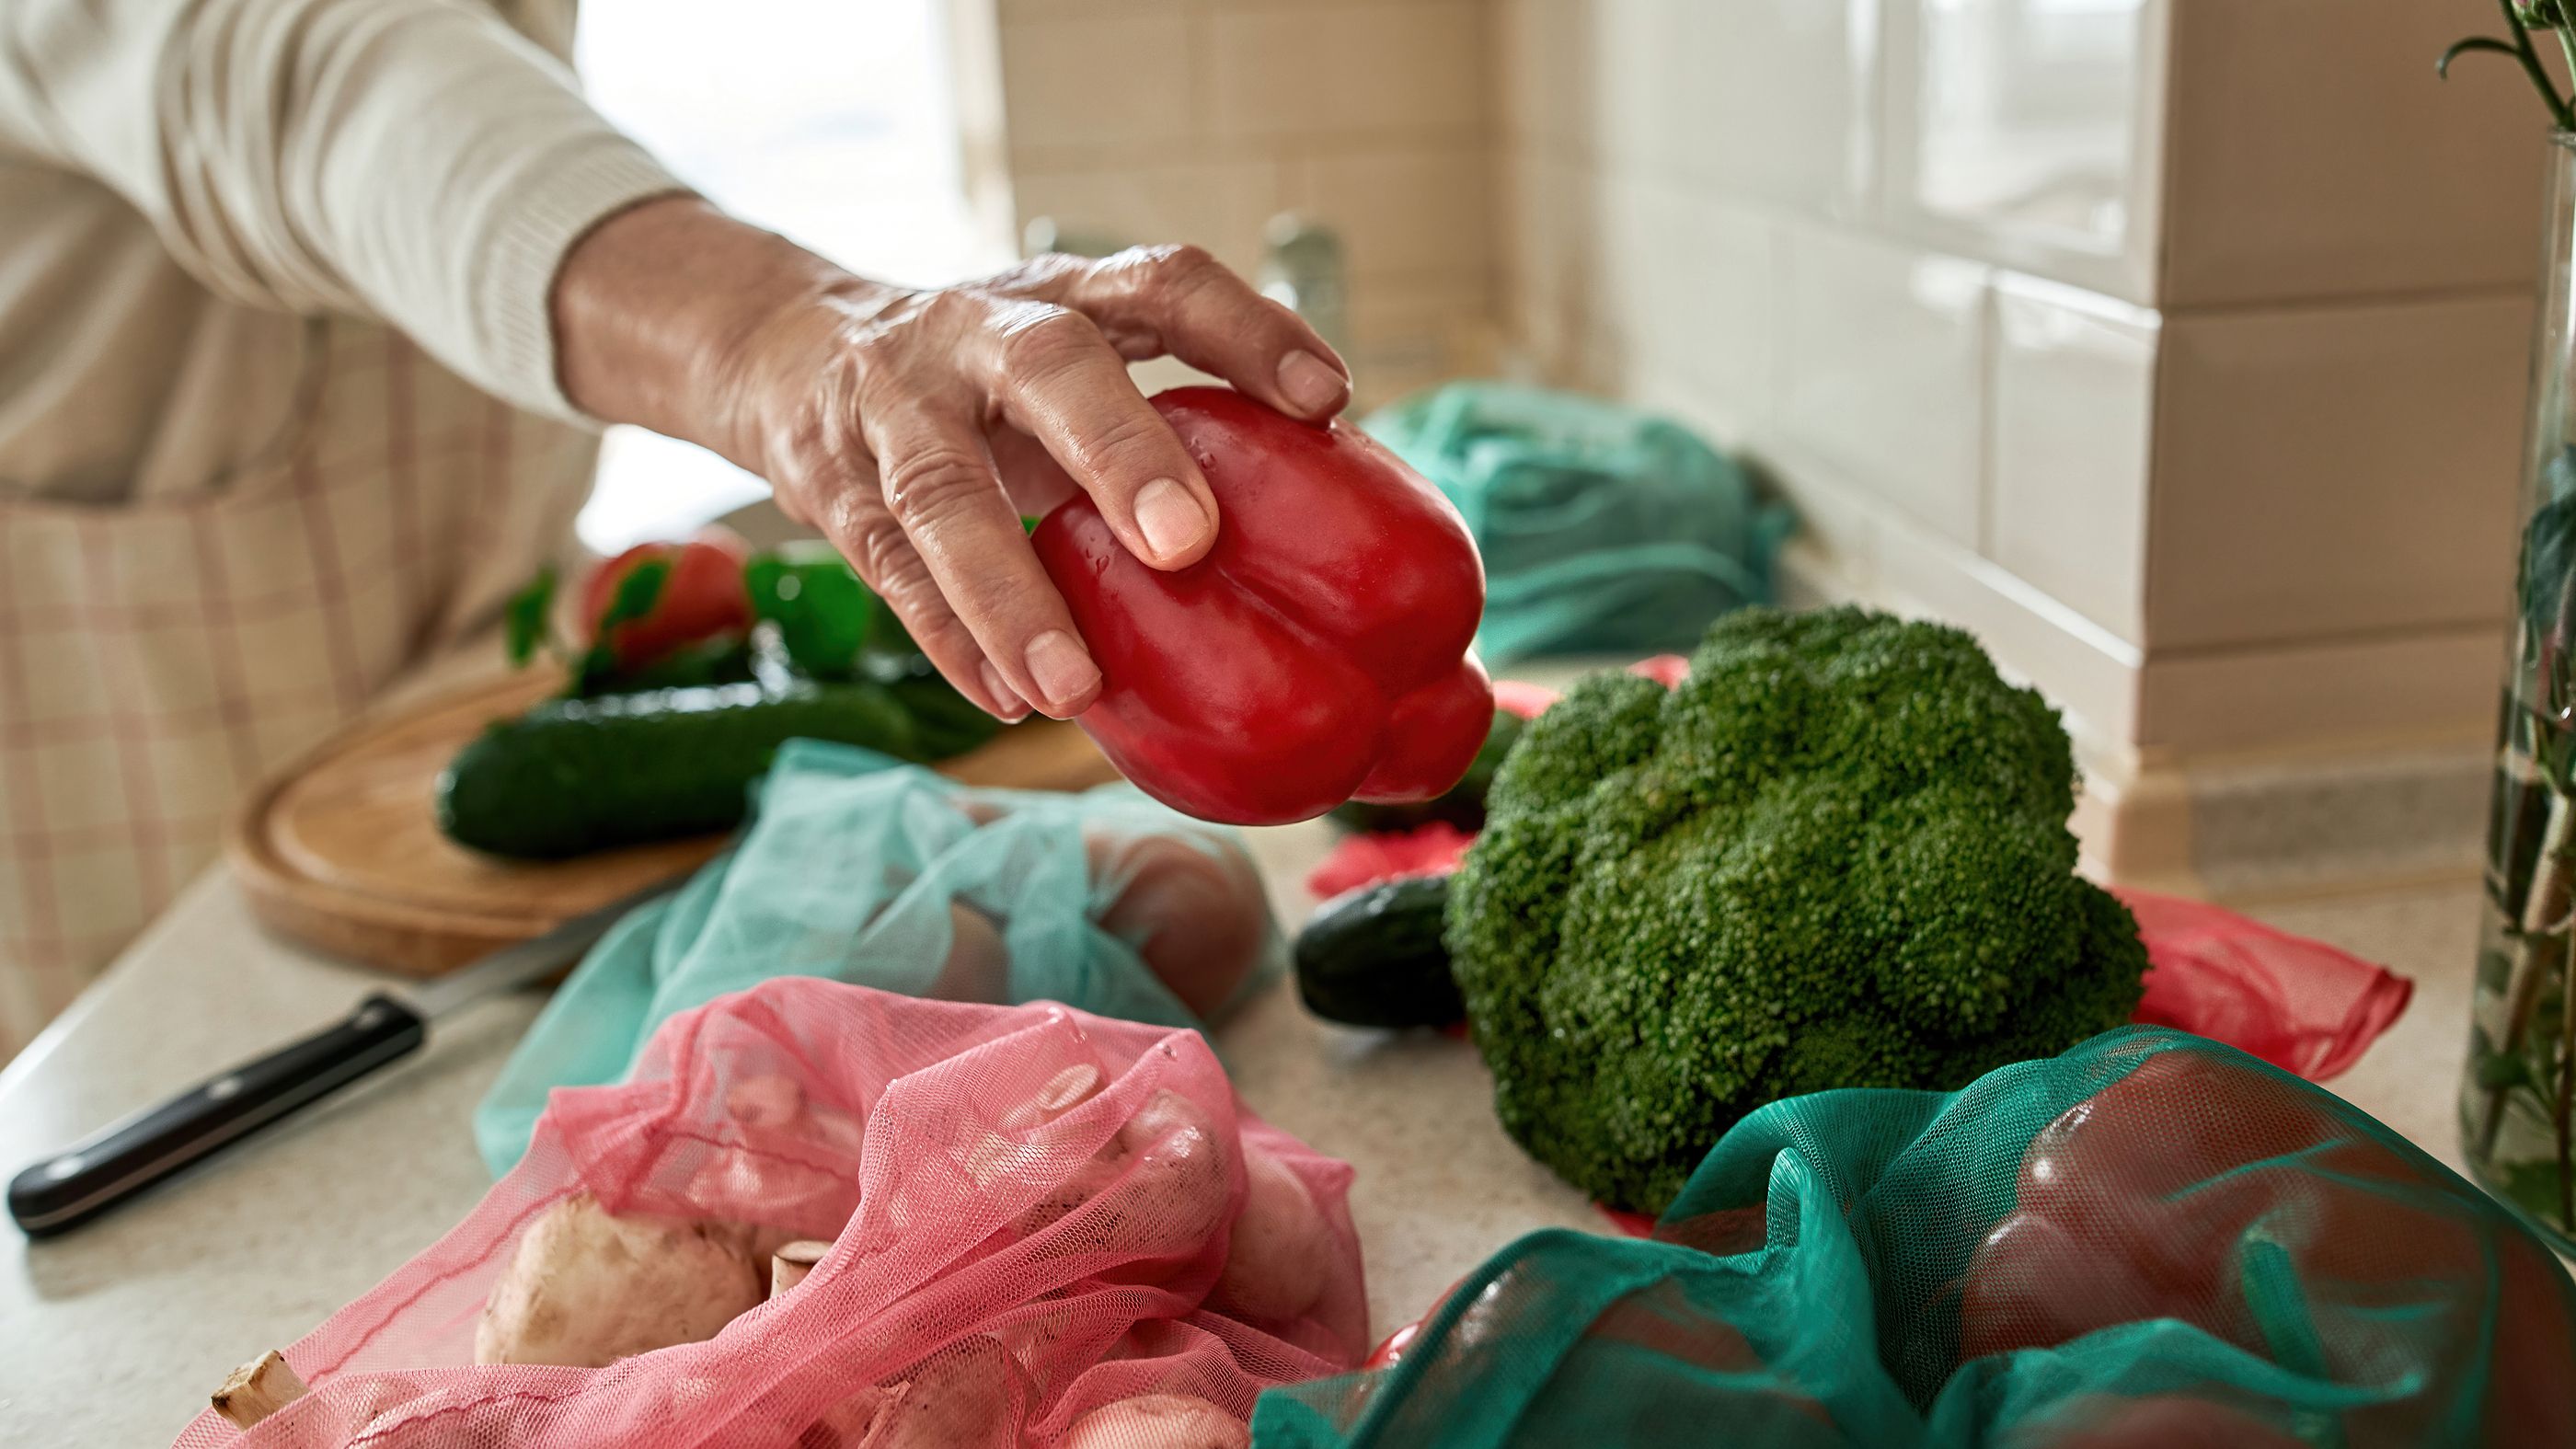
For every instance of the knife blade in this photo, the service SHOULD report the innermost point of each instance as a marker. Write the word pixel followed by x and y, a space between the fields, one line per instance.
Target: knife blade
pixel 113 1164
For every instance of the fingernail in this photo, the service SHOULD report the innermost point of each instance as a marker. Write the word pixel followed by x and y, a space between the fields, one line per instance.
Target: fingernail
pixel 1005 698
pixel 1311 384
pixel 1171 520
pixel 1063 671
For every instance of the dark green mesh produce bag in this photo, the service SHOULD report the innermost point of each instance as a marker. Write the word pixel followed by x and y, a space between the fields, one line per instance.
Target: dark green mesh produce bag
pixel 2152 1241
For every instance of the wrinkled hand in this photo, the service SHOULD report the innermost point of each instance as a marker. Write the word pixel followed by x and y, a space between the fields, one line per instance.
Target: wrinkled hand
pixel 888 420
pixel 888 417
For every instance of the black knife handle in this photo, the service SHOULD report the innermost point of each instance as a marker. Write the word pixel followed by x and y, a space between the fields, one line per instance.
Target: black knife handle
pixel 113 1164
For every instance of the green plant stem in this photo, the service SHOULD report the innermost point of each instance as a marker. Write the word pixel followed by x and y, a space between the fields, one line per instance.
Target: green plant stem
pixel 2530 58
pixel 2567 48
pixel 2540 954
pixel 2564 1109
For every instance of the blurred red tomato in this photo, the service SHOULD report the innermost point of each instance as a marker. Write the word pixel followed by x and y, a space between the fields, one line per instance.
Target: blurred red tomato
pixel 1389 1353
pixel 2199 1188
pixel 2114 1423
pixel 702 597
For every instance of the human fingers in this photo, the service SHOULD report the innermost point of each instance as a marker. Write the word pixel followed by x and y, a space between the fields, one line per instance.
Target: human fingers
pixel 1181 300
pixel 1056 378
pixel 939 489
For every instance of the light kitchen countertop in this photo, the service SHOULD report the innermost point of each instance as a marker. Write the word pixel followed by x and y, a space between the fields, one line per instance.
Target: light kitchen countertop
pixel 113 1335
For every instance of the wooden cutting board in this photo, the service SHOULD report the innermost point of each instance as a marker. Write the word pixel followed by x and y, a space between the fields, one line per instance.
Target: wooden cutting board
pixel 342 851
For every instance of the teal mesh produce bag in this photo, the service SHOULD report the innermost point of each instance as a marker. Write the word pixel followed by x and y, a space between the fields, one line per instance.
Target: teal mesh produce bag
pixel 2152 1242
pixel 859 869
pixel 1603 529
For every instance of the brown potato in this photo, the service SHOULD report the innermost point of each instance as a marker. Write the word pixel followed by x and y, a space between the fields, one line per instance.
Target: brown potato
pixel 1199 914
pixel 584 1288
pixel 968 1396
pixel 1280 1243
pixel 1164 1179
pixel 1195 907
pixel 1158 1421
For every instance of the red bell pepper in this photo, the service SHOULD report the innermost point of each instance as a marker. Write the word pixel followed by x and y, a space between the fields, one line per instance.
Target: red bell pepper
pixel 1318 654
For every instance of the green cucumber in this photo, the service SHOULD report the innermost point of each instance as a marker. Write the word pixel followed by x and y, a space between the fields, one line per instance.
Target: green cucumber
pixel 1373 957
pixel 577 775
pixel 1462 806
pixel 949 722
pixel 710 661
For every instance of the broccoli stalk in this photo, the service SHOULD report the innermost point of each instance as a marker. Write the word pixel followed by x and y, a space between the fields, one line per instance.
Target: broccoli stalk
pixel 1836 856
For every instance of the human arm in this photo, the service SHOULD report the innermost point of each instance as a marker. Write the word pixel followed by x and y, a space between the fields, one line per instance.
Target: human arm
pixel 887 417
pixel 417 161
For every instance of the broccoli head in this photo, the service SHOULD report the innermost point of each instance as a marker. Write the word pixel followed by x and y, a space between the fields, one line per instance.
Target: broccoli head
pixel 1835 856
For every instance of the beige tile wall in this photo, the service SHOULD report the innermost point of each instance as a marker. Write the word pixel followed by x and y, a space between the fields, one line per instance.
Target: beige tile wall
pixel 2174 345
pixel 1143 121
pixel 2338 472
pixel 2312 156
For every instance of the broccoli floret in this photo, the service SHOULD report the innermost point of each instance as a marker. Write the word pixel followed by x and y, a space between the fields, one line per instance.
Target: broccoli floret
pixel 1835 856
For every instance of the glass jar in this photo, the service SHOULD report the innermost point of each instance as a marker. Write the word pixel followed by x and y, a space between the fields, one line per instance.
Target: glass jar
pixel 2518 1093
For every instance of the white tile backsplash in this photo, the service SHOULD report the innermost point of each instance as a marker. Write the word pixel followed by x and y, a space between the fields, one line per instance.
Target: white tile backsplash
pixel 1633 115
pixel 1693 301
pixel 1841 527
pixel 2034 638
pixel 1883 361
pixel 1763 100
pixel 2029 132
pixel 2070 442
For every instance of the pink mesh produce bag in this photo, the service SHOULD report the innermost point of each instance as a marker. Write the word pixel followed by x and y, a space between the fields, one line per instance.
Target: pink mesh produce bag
pixel 1046 1228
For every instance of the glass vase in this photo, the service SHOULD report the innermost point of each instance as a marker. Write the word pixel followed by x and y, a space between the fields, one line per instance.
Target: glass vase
pixel 2518 1092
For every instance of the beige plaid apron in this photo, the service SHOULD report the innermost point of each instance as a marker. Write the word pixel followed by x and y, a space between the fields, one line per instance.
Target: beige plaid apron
pixel 159 656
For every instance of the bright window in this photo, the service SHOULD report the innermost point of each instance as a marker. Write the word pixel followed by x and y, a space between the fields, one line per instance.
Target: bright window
pixel 827 121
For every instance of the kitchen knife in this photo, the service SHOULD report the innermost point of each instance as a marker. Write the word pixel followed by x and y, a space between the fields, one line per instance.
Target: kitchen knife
pixel 107 1167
